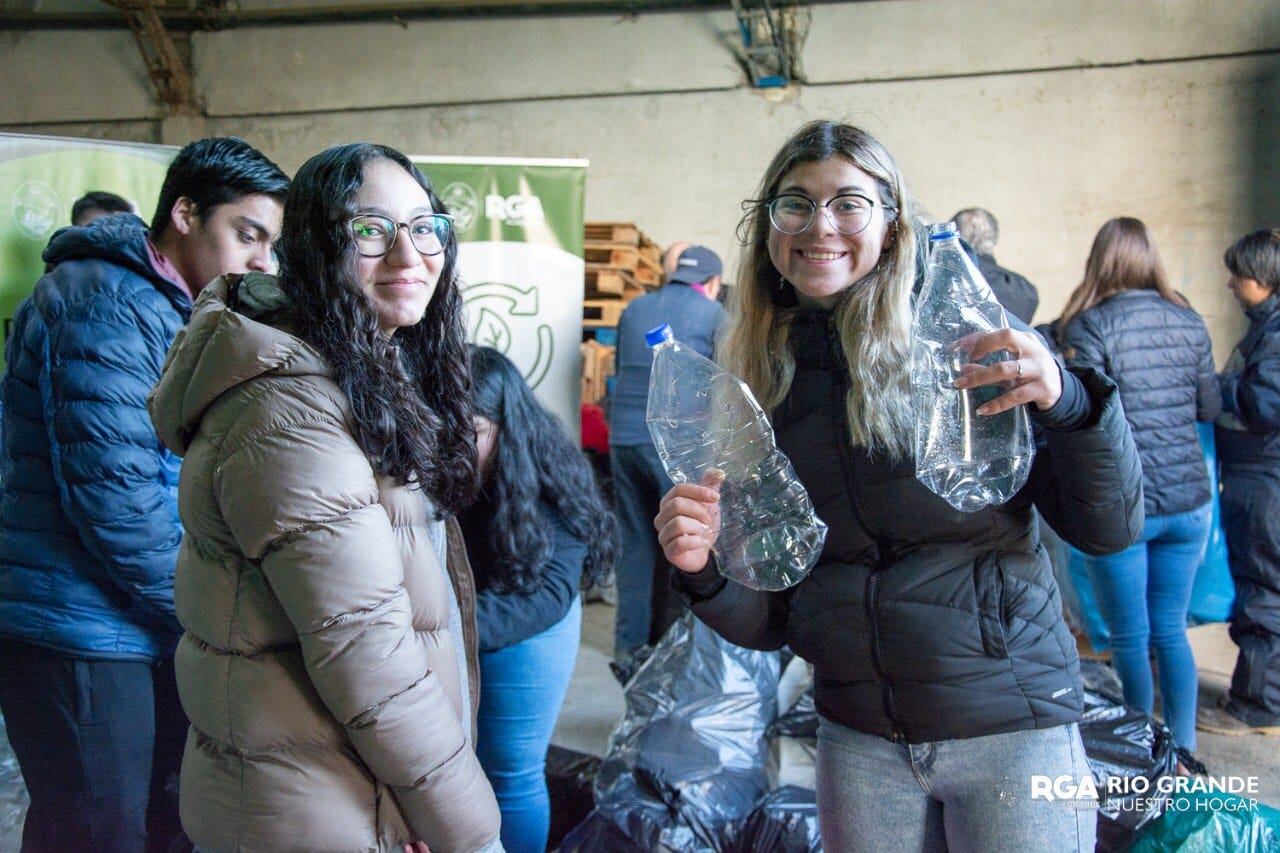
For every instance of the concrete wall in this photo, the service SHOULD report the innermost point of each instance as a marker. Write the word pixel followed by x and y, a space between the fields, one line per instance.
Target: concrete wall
pixel 1055 116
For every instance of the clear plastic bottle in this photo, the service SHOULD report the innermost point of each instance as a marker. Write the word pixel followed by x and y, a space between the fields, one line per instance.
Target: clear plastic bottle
pixel 708 428
pixel 970 460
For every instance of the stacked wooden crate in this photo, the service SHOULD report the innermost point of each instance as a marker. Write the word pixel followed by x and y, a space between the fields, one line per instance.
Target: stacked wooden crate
pixel 597 367
pixel 621 264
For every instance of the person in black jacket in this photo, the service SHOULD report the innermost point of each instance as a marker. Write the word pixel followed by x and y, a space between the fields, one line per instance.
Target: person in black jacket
pixel 1248 440
pixel 980 230
pixel 537 528
pixel 1125 321
pixel 945 678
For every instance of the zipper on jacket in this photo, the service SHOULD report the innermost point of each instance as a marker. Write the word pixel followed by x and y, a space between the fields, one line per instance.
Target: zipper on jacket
pixel 873 590
pixel 873 580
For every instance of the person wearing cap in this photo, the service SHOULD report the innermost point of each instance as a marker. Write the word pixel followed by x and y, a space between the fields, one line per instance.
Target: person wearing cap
pixel 687 303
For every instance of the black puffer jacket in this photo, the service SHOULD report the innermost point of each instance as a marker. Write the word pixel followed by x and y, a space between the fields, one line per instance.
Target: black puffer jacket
pixel 1248 432
pixel 1018 296
pixel 925 623
pixel 1160 356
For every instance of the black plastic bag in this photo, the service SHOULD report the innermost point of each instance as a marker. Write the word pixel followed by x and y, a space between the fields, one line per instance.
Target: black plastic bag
pixel 1125 743
pixel 800 720
pixel 570 777
pixel 690 754
pixel 786 821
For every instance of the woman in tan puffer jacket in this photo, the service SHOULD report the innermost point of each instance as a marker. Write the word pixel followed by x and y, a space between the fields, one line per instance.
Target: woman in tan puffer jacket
pixel 328 664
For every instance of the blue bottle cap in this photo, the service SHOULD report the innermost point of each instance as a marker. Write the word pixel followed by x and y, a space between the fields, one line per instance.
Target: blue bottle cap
pixel 658 336
pixel 942 231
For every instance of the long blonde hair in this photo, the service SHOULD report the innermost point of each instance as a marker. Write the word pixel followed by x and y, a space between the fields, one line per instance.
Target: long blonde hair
pixel 1123 257
pixel 873 317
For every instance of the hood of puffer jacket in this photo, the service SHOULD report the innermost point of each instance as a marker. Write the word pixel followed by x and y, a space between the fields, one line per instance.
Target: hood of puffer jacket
pixel 223 347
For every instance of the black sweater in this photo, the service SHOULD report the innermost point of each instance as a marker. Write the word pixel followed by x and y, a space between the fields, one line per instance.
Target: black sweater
pixel 504 619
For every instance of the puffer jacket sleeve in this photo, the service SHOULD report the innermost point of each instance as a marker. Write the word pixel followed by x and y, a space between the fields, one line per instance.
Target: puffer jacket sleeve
pixel 102 357
pixel 1084 344
pixel 1088 481
pixel 751 618
pixel 1253 395
pixel 1208 392
pixel 302 499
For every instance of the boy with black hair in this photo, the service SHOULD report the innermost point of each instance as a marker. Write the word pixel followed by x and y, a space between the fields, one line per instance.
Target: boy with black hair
pixel 88 502
pixel 98 203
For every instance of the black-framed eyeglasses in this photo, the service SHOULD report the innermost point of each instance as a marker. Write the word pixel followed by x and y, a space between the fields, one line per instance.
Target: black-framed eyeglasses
pixel 375 235
pixel 851 213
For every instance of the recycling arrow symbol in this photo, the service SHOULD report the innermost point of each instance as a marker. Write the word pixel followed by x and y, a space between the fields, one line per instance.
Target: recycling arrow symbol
pixel 487 327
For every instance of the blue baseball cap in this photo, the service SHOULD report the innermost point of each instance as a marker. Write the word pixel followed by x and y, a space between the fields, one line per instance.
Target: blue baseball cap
pixel 695 265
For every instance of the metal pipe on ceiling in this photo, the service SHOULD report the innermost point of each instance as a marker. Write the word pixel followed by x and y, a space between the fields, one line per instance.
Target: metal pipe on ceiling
pixel 213 18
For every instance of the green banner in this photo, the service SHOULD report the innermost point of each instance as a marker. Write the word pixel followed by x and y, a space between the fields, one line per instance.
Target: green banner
pixel 41 177
pixel 520 225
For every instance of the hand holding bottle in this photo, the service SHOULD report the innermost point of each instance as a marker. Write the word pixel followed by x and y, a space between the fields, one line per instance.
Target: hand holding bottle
pixel 1032 375
pixel 708 429
pixel 688 522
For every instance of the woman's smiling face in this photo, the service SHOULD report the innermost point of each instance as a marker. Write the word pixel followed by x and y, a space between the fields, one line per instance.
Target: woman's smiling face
pixel 820 262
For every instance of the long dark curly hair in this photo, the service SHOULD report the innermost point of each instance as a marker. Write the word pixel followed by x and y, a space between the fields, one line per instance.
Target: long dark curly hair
pixel 410 394
pixel 535 461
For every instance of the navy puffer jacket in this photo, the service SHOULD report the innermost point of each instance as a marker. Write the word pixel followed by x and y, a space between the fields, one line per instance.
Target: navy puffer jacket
pixel 1248 432
pixel 1160 356
pixel 89 528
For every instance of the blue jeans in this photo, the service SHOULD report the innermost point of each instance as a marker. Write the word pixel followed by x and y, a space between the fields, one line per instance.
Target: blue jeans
pixel 646 605
pixel 876 796
pixel 522 688
pixel 1144 592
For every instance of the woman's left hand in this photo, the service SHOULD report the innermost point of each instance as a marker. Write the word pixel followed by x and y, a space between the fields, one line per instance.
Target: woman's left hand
pixel 416 847
pixel 1032 375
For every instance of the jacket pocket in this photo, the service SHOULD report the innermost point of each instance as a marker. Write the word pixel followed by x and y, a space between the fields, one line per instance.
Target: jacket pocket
pixel 988 584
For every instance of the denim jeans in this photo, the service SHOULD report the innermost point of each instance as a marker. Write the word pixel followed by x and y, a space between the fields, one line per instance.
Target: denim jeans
pixel 522 688
pixel 646 605
pixel 1144 592
pixel 876 796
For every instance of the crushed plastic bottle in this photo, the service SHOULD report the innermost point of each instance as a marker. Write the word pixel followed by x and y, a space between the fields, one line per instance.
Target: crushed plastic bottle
pixel 708 429
pixel 970 460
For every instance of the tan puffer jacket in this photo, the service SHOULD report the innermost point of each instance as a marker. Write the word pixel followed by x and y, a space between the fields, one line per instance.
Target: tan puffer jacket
pixel 317 666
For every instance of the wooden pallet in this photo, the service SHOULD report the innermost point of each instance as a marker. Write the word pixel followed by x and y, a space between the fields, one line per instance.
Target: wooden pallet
pixel 601 312
pixel 625 233
pixel 612 254
pixel 603 282
pixel 623 246
pixel 597 367
pixel 651 251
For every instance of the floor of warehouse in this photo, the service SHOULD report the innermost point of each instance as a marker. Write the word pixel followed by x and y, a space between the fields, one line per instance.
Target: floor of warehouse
pixel 594 704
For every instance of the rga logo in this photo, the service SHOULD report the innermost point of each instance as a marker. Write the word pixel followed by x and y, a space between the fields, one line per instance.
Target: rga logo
pixel 514 209
pixel 1053 788
pixel 36 209
pixel 461 201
